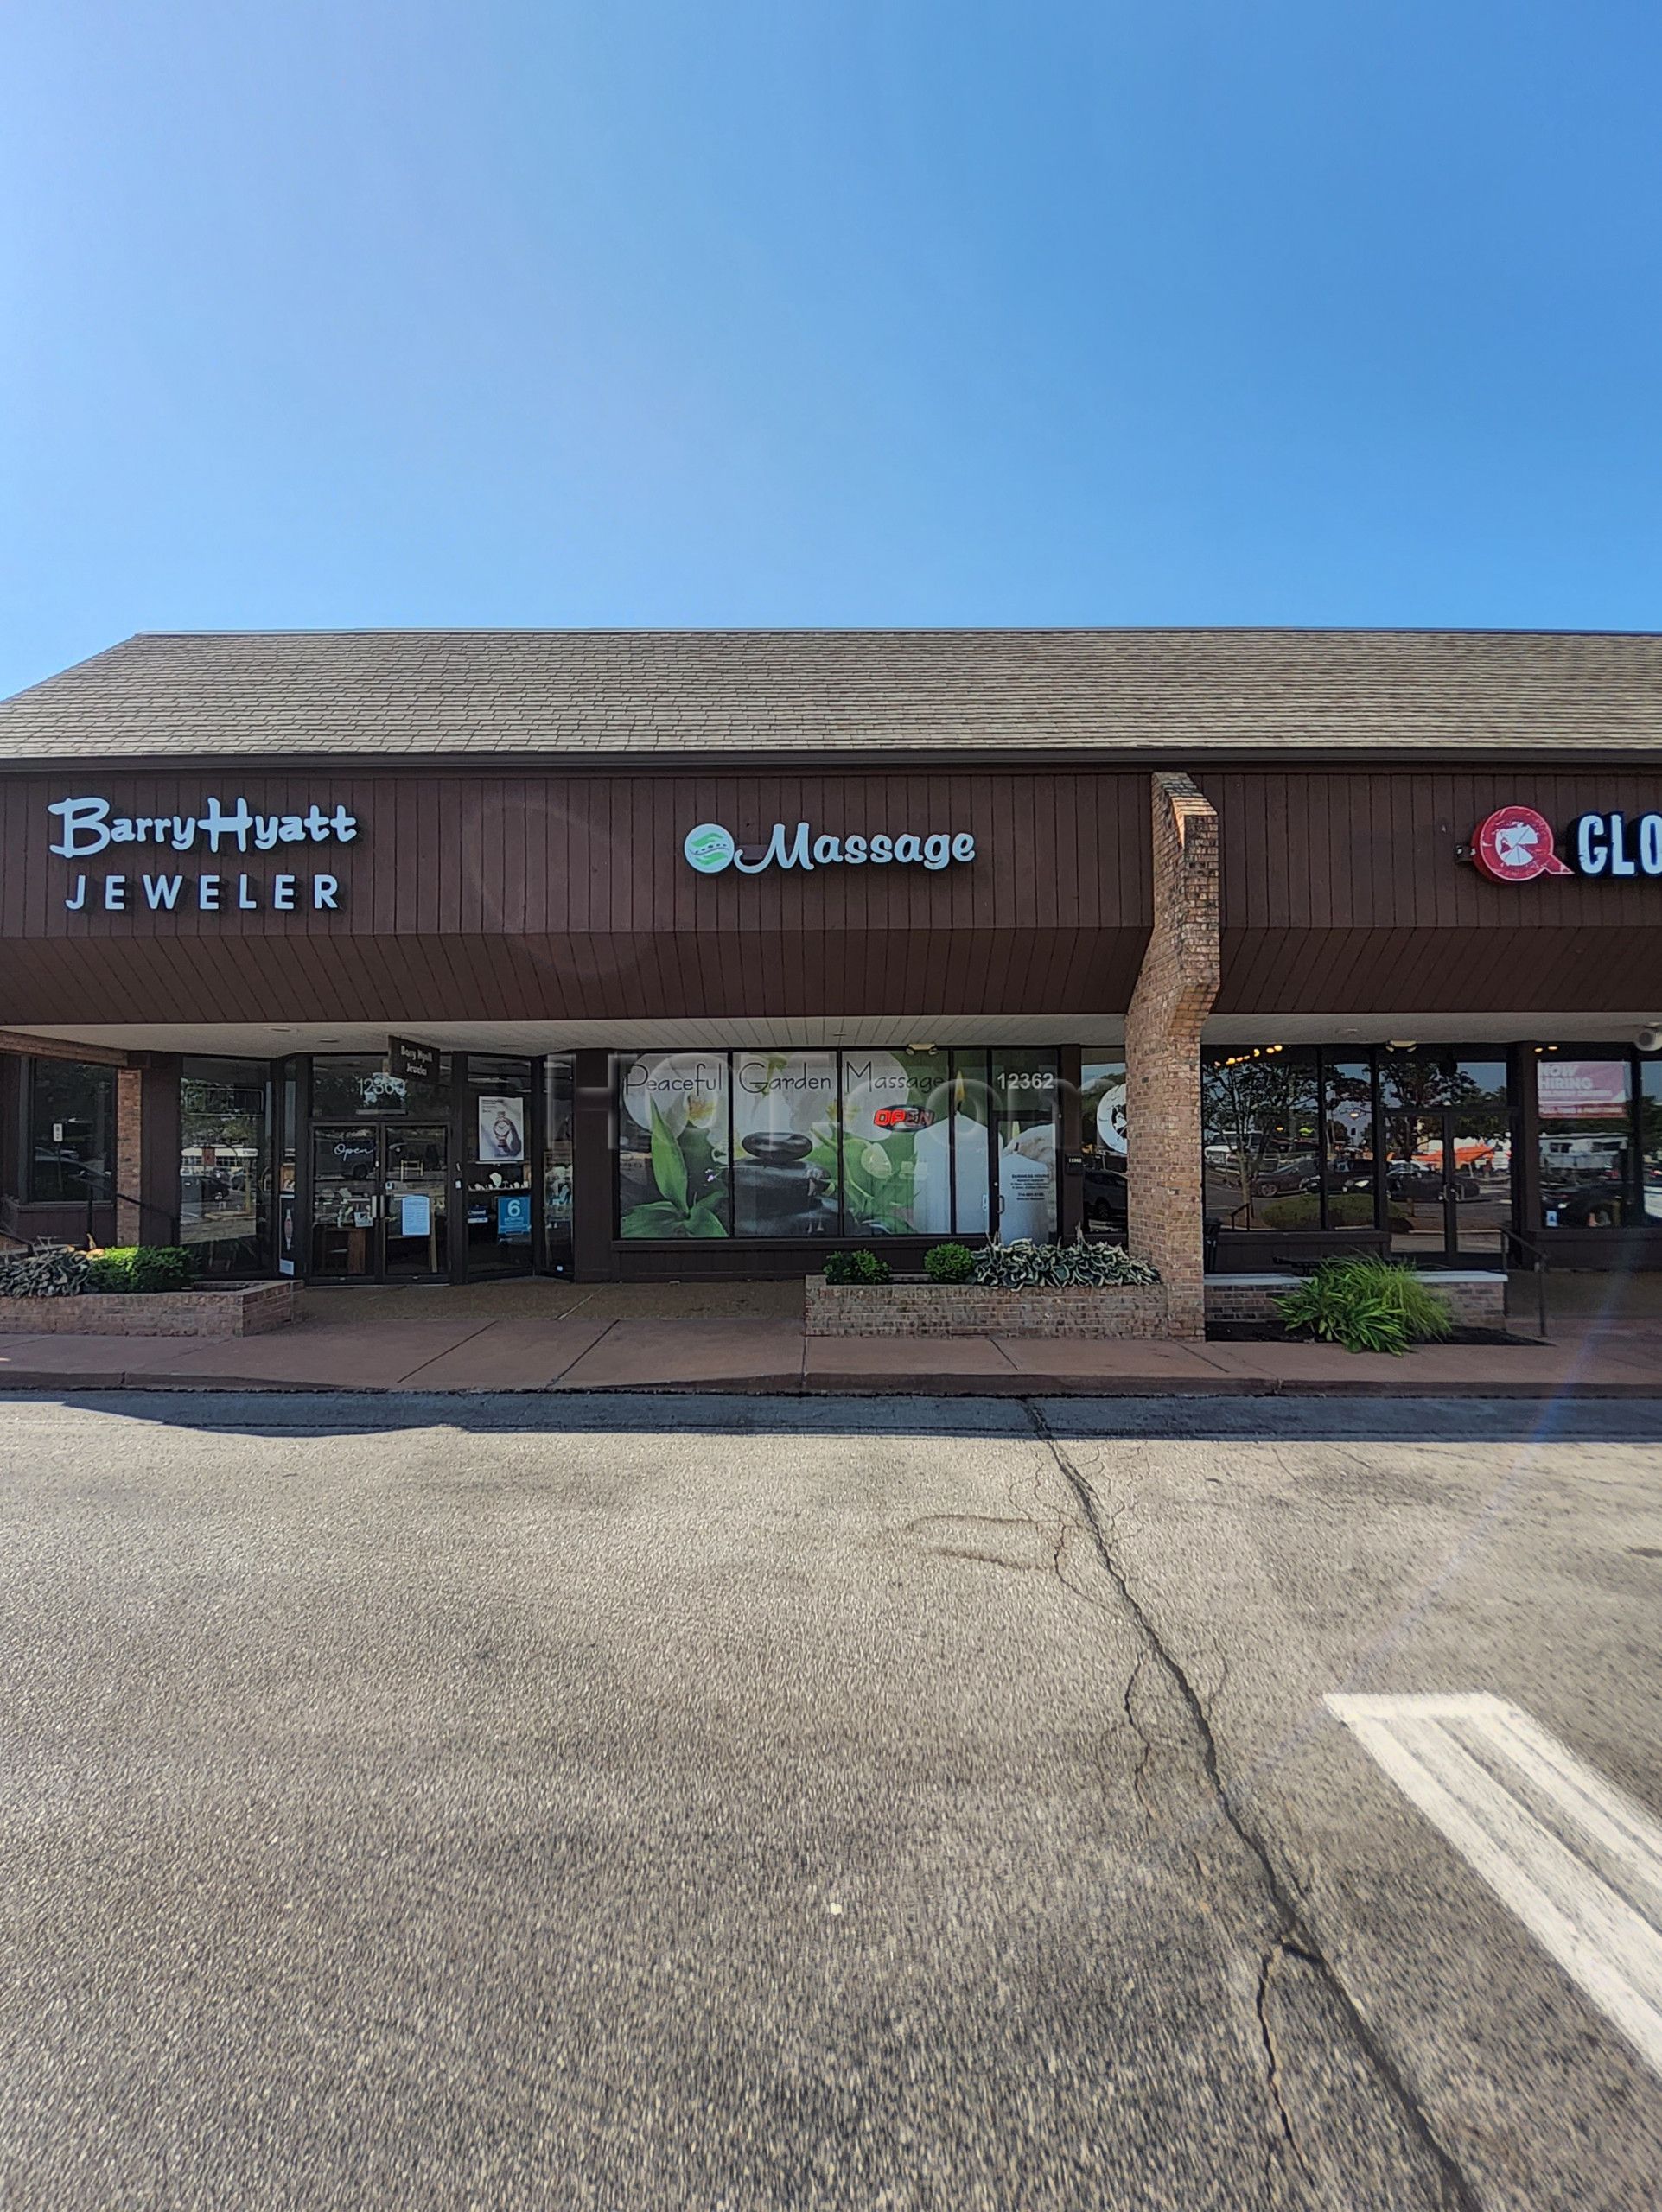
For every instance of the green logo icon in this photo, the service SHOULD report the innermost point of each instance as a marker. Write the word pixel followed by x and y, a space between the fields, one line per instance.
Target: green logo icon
pixel 709 848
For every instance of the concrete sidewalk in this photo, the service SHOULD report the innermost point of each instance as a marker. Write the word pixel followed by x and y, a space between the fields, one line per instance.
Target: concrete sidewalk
pixel 1595 1357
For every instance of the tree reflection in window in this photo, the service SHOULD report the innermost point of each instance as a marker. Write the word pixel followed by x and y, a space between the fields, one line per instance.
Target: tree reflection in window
pixel 1262 1139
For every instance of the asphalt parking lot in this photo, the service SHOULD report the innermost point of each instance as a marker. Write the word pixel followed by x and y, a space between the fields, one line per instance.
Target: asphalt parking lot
pixel 631 1802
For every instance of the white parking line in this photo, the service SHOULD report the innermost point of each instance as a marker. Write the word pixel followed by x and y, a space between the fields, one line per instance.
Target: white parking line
pixel 1578 1862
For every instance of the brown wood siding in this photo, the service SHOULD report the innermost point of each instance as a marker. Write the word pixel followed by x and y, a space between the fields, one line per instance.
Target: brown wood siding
pixel 527 897
pixel 567 897
pixel 1341 894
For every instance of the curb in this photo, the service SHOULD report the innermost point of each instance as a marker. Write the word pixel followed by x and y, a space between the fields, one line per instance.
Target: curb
pixel 836 1386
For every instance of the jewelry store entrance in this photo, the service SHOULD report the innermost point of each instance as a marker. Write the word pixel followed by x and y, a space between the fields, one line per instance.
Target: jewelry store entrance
pixel 380 1210
pixel 426 1177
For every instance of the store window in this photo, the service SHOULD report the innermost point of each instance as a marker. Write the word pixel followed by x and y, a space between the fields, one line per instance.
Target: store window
pixel 673 1146
pixel 1102 1144
pixel 559 1130
pixel 1481 1148
pixel 785 1177
pixel 1262 1139
pixel 224 1174
pixel 1650 1140
pixel 820 1144
pixel 974 1137
pixel 1586 1140
pixel 72 1132
pixel 288 1143
pixel 1411 1077
pixel 1025 1098
pixel 1292 1145
pixel 347 1085
pixel 898 1114
pixel 1349 1167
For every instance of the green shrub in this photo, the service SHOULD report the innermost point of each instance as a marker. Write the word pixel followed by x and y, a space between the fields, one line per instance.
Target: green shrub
pixel 163 1267
pixel 1350 1209
pixel 1366 1305
pixel 142 1267
pixel 1023 1265
pixel 949 1263
pixel 862 1267
pixel 1302 1209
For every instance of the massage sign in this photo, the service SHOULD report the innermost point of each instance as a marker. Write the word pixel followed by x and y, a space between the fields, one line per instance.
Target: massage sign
pixel 140 854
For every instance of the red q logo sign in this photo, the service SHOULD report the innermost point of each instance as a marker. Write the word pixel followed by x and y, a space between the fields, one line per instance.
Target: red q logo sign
pixel 1515 846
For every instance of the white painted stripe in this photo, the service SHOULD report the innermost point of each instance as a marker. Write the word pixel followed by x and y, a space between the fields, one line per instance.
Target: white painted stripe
pixel 1605 1921
pixel 1579 1863
pixel 1618 1827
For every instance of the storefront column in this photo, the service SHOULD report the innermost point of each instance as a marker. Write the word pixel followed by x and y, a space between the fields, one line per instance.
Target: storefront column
pixel 1070 1185
pixel 592 1168
pixel 159 1186
pixel 129 1156
pixel 1175 987
pixel 14 1122
pixel 1526 1143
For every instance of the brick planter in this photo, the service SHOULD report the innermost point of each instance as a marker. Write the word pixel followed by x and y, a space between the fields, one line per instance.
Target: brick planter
pixel 1476 1299
pixel 928 1309
pixel 247 1311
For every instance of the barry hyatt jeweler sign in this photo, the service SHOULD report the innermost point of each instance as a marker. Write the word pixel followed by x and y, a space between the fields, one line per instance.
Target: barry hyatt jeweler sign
pixel 89 827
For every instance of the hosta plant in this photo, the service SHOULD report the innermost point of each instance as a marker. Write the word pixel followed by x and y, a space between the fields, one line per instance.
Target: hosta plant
pixel 60 1273
pixel 1025 1265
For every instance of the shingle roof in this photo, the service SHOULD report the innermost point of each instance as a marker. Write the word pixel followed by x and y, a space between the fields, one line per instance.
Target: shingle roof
pixel 1169 693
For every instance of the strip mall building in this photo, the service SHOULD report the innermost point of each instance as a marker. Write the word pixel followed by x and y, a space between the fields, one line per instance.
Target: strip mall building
pixel 395 956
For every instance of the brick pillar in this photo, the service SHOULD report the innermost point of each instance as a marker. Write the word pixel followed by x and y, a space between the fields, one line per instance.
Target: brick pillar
pixel 129 1156
pixel 1175 987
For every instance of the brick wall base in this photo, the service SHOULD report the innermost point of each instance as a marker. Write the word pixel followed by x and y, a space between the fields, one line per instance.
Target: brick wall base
pixel 246 1313
pixel 919 1309
pixel 1474 1302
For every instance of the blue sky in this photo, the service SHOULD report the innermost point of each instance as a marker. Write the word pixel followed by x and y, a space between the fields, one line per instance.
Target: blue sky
pixel 1304 311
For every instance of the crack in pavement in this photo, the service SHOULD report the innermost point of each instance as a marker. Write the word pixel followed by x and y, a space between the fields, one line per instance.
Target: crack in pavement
pixel 1294 1938
pixel 1146 1752
pixel 1276 1951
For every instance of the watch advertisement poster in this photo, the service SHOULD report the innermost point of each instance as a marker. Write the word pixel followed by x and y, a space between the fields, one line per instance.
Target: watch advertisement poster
pixel 501 1129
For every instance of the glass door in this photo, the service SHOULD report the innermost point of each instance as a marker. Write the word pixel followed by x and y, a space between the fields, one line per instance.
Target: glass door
pixel 414 1185
pixel 378 1202
pixel 1447 1187
pixel 345 1203
pixel 1480 1157
pixel 559 1131
pixel 494 1165
pixel 1448 1169
pixel 1418 1166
